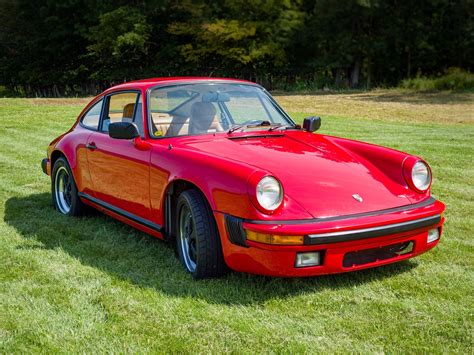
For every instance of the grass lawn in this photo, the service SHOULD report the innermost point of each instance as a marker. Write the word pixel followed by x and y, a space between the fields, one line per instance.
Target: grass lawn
pixel 94 284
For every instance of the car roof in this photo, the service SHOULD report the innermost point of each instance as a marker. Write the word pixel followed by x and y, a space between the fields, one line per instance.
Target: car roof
pixel 147 83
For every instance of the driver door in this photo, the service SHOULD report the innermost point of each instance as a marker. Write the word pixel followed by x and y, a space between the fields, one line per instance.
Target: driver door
pixel 119 171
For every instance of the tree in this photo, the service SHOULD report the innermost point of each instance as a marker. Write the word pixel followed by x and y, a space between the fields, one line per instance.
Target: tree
pixel 238 34
pixel 67 47
pixel 119 44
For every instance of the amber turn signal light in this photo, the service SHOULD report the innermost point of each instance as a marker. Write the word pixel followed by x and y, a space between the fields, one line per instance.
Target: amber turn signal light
pixel 275 239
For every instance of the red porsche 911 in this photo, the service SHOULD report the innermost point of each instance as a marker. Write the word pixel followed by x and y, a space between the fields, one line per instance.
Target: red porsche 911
pixel 217 166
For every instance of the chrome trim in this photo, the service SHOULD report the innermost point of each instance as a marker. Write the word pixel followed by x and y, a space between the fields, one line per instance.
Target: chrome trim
pixel 62 190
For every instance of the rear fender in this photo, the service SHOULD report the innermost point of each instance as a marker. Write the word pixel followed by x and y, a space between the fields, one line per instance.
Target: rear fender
pixel 72 146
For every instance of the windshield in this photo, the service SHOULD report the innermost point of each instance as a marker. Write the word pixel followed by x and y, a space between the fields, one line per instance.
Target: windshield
pixel 211 108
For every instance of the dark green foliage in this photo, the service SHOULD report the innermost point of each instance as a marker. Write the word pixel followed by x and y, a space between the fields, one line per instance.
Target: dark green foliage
pixel 240 34
pixel 52 48
pixel 119 44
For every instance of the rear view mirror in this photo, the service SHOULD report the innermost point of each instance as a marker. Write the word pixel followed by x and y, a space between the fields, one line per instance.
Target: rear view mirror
pixel 123 130
pixel 312 124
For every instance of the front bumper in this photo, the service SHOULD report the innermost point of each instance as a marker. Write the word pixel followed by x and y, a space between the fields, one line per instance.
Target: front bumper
pixel 335 238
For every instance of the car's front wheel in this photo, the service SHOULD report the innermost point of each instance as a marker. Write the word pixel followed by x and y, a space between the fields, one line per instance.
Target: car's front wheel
pixel 197 239
pixel 64 190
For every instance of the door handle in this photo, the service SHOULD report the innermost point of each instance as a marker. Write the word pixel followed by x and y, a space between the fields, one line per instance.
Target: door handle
pixel 91 146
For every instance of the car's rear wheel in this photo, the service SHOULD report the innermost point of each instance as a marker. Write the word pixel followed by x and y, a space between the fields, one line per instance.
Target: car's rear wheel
pixel 64 190
pixel 197 239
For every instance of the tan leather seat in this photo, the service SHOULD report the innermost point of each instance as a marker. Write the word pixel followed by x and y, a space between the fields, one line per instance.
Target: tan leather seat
pixel 203 120
pixel 179 126
pixel 167 125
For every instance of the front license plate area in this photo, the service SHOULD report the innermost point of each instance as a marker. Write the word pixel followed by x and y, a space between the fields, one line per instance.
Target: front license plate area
pixel 367 256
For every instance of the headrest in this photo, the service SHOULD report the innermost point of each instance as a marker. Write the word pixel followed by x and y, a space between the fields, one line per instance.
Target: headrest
pixel 203 110
pixel 128 110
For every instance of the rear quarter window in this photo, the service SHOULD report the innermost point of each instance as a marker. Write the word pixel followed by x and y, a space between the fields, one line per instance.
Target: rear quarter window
pixel 92 116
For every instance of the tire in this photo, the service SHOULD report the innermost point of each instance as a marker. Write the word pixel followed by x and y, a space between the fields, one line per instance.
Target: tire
pixel 197 239
pixel 64 190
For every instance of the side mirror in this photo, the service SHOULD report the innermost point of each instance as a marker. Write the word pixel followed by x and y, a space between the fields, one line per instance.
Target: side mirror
pixel 123 130
pixel 312 124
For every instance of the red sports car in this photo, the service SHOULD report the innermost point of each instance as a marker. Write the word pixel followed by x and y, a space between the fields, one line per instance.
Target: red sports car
pixel 219 167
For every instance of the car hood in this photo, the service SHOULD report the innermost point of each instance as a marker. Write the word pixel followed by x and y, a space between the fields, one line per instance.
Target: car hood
pixel 322 177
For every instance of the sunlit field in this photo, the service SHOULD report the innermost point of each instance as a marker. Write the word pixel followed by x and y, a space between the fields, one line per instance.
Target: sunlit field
pixel 93 284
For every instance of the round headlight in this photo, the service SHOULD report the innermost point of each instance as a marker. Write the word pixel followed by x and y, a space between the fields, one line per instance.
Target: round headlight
pixel 269 193
pixel 421 175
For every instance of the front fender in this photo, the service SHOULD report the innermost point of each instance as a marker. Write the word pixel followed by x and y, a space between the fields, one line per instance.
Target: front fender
pixel 388 161
pixel 223 182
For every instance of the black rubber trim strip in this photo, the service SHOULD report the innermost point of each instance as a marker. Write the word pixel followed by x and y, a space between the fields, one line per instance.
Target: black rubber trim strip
pixel 122 213
pixel 235 231
pixel 256 136
pixel 424 203
pixel 345 236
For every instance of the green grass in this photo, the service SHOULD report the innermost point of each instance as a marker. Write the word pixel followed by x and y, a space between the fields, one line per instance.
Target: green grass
pixel 94 284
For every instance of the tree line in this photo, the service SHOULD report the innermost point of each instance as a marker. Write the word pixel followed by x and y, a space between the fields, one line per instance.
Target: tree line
pixel 79 47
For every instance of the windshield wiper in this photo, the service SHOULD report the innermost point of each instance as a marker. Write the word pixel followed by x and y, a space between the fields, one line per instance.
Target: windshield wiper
pixel 242 126
pixel 280 126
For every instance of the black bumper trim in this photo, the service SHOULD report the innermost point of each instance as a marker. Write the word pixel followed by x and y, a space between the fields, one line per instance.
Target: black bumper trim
pixel 427 202
pixel 350 235
pixel 44 164
pixel 122 213
pixel 235 231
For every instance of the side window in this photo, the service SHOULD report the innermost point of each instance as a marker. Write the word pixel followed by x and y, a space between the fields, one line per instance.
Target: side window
pixel 91 118
pixel 120 109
